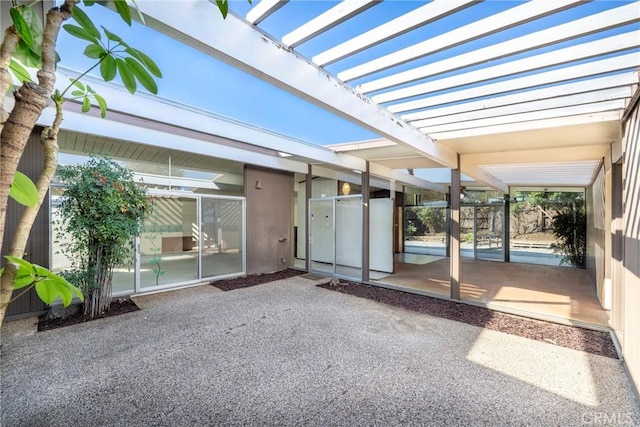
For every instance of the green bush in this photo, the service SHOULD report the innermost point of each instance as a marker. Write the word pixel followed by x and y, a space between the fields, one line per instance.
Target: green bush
pixel 102 210
pixel 570 228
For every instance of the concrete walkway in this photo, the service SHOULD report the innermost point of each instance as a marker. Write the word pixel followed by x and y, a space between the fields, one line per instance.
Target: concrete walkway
pixel 290 353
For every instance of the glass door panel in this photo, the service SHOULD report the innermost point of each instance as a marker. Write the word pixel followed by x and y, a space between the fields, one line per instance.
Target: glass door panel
pixel 322 243
pixel 348 236
pixel 169 242
pixel 489 232
pixel 222 237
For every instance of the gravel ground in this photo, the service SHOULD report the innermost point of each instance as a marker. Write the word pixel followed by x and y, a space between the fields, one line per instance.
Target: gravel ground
pixel 291 353
pixel 596 342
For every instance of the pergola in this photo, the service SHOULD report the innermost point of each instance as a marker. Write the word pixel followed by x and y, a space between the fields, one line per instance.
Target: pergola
pixel 540 108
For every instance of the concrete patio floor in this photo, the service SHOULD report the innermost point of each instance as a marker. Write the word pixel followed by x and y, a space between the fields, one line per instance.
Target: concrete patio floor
pixel 558 294
pixel 290 353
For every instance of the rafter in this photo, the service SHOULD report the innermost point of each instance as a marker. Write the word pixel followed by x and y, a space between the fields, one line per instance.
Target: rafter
pixel 593 68
pixel 602 21
pixel 263 9
pixel 526 12
pixel 572 53
pixel 334 16
pixel 616 82
pixel 396 27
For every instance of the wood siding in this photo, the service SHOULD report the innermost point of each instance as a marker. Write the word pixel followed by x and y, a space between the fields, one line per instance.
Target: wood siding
pixel 37 250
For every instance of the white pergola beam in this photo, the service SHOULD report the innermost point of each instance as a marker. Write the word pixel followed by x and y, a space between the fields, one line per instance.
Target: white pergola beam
pixel 524 13
pixel 405 178
pixel 563 154
pixel 617 63
pixel 329 19
pixel 595 107
pixel 484 177
pixel 396 27
pixel 615 82
pixel 94 125
pixel 160 110
pixel 527 107
pixel 263 9
pixel 572 53
pixel 262 57
pixel 608 19
pixel 608 116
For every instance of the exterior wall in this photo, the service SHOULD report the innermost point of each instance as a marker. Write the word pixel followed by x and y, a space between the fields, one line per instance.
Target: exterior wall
pixel 37 250
pixel 269 196
pixel 630 285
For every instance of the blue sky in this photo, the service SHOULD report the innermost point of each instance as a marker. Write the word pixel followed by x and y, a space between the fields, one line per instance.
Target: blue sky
pixel 240 96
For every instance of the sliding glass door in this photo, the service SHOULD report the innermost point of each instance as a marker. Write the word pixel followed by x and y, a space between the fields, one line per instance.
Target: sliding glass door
pixel 169 242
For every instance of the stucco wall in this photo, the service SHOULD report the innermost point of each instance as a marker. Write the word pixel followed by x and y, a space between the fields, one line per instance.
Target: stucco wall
pixel 269 219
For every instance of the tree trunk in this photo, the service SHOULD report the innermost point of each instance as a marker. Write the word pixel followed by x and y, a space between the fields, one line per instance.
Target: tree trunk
pixel 49 139
pixel 30 100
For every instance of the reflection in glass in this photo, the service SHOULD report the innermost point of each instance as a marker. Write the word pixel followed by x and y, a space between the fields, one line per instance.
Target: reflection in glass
pixel 169 242
pixel 221 237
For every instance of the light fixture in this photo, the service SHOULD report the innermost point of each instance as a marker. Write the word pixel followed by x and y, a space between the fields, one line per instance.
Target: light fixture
pixel 258 184
pixel 346 188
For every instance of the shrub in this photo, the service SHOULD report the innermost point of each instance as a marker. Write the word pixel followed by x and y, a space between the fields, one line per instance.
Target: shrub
pixel 102 209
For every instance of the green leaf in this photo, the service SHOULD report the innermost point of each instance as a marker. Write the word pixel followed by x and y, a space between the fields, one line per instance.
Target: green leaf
pixel 24 276
pixel 94 51
pixel 50 290
pixel 77 83
pixel 79 32
pixel 21 26
pixel 127 76
pixel 23 190
pixel 223 5
pixel 77 93
pixel 123 10
pixel 102 103
pixel 23 282
pixel 86 105
pixel 140 15
pixel 89 2
pixel 108 68
pixel 19 71
pixel 21 263
pixel 85 22
pixel 146 61
pixel 111 36
pixel 35 24
pixel 141 74
pixel 27 55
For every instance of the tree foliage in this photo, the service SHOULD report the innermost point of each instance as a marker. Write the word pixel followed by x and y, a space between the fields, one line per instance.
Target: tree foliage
pixel 570 228
pixel 102 210
pixel 28 43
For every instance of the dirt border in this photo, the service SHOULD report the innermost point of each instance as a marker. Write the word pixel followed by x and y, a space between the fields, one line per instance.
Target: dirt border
pixel 255 279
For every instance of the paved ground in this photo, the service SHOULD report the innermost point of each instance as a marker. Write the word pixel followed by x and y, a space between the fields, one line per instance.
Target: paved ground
pixel 290 353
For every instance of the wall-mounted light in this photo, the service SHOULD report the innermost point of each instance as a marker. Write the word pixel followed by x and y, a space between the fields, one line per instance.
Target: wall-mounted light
pixel 258 184
pixel 346 189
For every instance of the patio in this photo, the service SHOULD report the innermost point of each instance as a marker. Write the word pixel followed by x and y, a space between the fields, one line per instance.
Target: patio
pixel 290 353
pixel 558 294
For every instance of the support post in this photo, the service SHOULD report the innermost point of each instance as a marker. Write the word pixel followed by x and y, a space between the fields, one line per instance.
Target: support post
pixel 506 230
pixel 454 236
pixel 307 221
pixel 365 223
